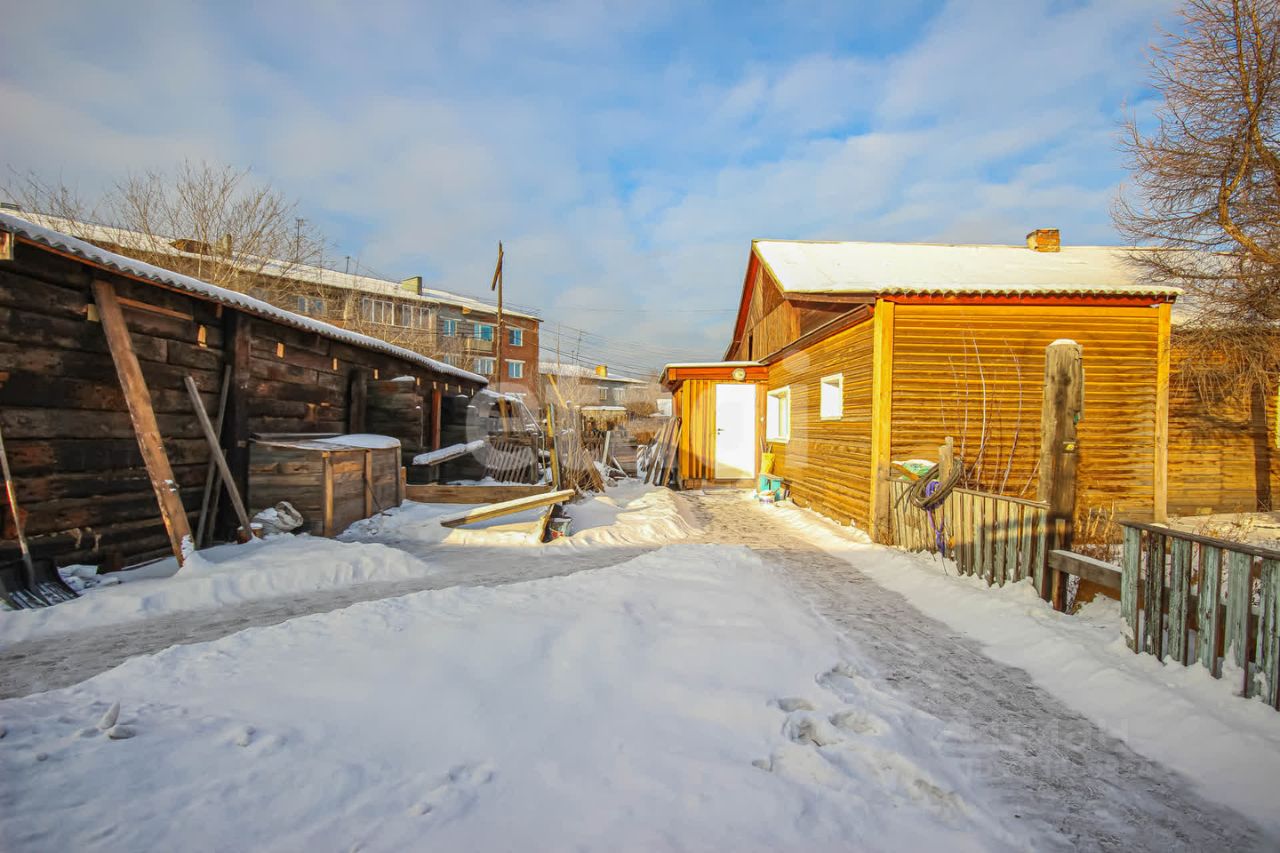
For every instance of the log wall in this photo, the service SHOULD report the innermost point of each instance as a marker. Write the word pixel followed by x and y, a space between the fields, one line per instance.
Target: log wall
pixel 79 473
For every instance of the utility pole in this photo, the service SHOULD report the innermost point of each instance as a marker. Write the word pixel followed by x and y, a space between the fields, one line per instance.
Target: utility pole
pixel 497 284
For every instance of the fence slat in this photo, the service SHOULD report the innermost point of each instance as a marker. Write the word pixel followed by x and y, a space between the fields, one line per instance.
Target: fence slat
pixel 1179 595
pixel 1024 542
pixel 980 536
pixel 1237 651
pixel 1269 633
pixel 1039 554
pixel 1011 542
pixel 1208 625
pixel 1153 624
pixel 1131 564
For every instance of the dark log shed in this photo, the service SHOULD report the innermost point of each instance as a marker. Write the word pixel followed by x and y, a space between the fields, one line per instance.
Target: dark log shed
pixel 81 482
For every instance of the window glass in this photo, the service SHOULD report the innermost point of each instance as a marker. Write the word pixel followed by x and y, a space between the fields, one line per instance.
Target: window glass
pixel 831 402
pixel 778 415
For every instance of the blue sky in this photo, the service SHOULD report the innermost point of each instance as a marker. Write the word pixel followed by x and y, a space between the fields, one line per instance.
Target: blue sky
pixel 626 153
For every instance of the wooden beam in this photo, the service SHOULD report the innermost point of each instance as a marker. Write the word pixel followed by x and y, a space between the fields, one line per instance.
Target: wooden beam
pixel 484 513
pixel 430 494
pixel 1160 458
pixel 238 335
pixel 881 416
pixel 1061 407
pixel 1100 572
pixel 138 400
pixel 215 451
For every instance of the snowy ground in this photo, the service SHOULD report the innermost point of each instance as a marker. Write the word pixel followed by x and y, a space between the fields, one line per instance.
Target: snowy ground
pixel 769 683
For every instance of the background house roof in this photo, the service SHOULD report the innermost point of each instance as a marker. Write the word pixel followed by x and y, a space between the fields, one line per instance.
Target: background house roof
pixel 161 245
pixel 99 257
pixel 925 268
pixel 581 371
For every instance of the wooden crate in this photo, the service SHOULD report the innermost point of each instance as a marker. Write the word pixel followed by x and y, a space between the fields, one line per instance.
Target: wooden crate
pixel 332 481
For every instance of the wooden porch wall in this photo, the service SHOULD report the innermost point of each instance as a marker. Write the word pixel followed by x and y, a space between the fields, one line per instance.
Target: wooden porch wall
pixel 1222 453
pixel 827 464
pixel 78 470
pixel 696 404
pixel 948 359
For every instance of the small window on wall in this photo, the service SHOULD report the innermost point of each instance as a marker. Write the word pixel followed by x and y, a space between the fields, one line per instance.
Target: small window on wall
pixel 515 337
pixel 777 425
pixel 831 403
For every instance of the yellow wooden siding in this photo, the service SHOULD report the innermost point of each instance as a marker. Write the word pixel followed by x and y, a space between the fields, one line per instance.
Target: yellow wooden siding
pixel 771 321
pixel 958 367
pixel 827 463
pixel 1222 455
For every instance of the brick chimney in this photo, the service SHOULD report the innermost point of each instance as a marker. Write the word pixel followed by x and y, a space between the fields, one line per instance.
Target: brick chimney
pixel 602 370
pixel 1044 240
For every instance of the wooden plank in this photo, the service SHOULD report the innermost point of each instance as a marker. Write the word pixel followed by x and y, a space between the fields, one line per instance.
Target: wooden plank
pixel 484 513
pixel 1012 531
pixel 368 483
pixel 1239 566
pixel 1131 568
pixel 1179 598
pixel 215 451
pixel 1208 625
pixel 1269 634
pixel 357 400
pixel 1153 594
pixel 143 417
pixel 980 536
pixel 1099 572
pixel 235 429
pixel 881 412
pixel 1160 454
pixel 326 499
pixel 1039 551
pixel 432 494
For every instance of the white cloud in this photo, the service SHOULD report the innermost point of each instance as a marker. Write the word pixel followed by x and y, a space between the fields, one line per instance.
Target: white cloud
pixel 626 153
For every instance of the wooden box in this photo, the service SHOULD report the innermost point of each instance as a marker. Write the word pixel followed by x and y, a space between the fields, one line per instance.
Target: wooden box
pixel 332 480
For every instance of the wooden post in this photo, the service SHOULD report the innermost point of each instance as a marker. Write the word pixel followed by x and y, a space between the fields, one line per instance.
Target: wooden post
pixel 212 473
pixel 437 412
pixel 235 427
pixel 357 401
pixel 1059 450
pixel 138 401
pixel 881 417
pixel 1160 459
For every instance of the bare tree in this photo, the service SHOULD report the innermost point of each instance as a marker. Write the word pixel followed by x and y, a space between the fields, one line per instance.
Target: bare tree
pixel 1206 185
pixel 213 222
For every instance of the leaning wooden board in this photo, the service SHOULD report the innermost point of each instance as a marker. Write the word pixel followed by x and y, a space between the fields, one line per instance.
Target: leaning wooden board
pixel 484 513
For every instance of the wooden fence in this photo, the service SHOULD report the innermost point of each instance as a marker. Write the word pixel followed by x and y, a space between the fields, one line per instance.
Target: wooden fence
pixel 1194 599
pixel 998 538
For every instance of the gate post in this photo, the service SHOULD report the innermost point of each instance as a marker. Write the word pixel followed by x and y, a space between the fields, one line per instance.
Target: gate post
pixel 1063 405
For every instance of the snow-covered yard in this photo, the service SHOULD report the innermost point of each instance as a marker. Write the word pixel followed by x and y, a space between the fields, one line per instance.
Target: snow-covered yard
pixel 683 672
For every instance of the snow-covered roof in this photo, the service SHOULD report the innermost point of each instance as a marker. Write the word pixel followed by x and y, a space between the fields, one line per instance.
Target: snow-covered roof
pixel 711 364
pixel 927 268
pixel 580 371
pixel 158 244
pixel 233 299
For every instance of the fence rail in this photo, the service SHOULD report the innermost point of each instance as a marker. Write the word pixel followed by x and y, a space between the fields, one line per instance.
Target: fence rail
pixel 1194 599
pixel 995 537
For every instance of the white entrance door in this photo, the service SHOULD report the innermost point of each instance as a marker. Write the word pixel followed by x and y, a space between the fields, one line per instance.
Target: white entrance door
pixel 735 431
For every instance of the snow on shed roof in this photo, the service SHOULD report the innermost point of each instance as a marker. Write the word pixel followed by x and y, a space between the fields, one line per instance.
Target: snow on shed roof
pixel 231 298
pixel 927 268
pixel 273 267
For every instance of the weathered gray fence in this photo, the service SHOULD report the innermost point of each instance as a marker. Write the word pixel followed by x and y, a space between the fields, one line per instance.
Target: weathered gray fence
pixel 1194 599
pixel 995 537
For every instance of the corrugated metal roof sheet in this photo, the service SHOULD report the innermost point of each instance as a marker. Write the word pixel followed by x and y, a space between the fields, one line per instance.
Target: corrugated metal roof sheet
pixel 925 268
pixel 298 272
pixel 158 275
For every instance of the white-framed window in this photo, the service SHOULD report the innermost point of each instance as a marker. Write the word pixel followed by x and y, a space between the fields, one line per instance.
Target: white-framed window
pixel 515 369
pixel 484 366
pixel 415 316
pixel 449 327
pixel 831 401
pixel 378 310
pixel 515 337
pixel 777 422
pixel 483 331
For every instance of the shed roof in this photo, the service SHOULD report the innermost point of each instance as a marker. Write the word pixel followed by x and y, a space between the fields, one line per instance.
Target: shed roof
pixel 859 268
pixel 90 253
pixel 299 272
